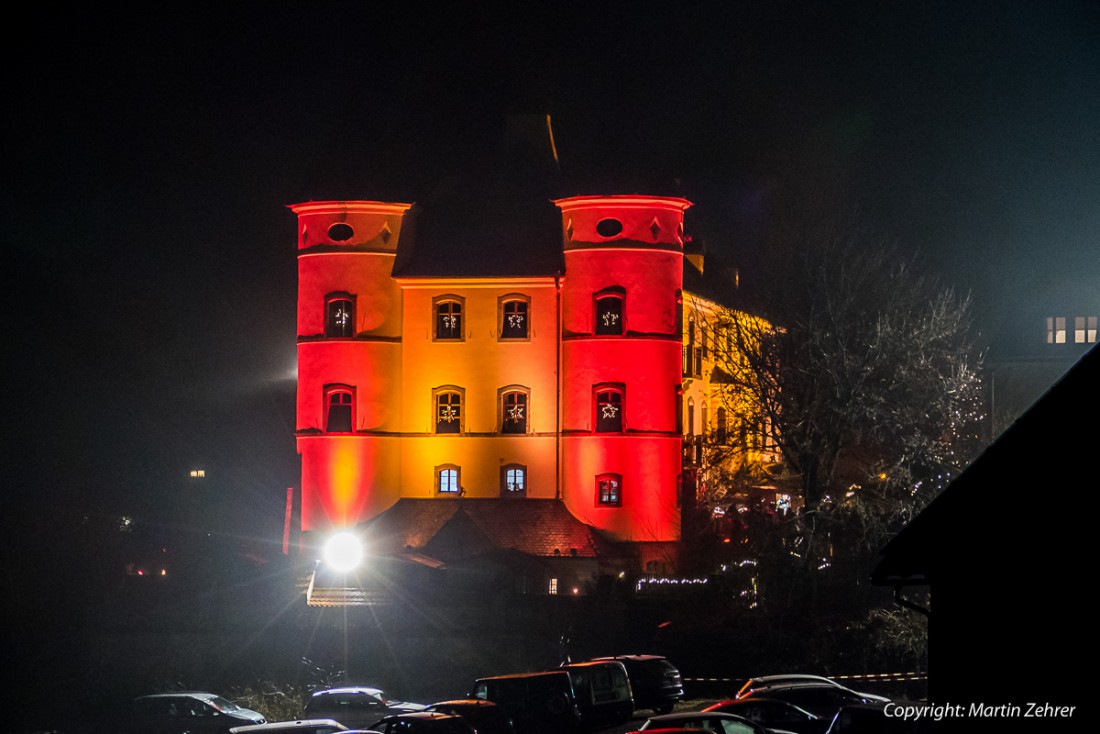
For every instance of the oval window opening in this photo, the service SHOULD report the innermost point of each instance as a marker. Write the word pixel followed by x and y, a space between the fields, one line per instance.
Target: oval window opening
pixel 609 227
pixel 340 232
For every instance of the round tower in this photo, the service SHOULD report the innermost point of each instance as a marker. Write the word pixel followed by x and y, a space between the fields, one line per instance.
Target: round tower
pixel 621 363
pixel 349 360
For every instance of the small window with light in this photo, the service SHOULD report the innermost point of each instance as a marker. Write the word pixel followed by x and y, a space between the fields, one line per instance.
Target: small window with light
pixel 339 316
pixel 609 314
pixel 448 319
pixel 513 411
pixel 448 411
pixel 514 322
pixel 609 409
pixel 513 480
pixel 609 490
pixel 447 480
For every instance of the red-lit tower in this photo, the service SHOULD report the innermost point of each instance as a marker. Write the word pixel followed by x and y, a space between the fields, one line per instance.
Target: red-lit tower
pixel 621 363
pixel 349 360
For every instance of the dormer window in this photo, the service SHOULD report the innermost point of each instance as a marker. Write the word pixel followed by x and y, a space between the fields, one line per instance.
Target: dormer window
pixel 609 314
pixel 339 316
pixel 448 319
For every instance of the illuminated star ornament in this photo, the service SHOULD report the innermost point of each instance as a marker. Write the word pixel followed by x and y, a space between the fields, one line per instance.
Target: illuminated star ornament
pixel 610 318
pixel 515 320
pixel 609 411
pixel 515 413
pixel 447 413
pixel 450 321
pixel 342 317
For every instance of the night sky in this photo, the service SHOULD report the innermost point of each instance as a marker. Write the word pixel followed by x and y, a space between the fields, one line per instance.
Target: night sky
pixel 149 280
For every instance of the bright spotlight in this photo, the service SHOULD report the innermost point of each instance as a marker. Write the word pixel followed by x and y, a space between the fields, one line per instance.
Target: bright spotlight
pixel 343 552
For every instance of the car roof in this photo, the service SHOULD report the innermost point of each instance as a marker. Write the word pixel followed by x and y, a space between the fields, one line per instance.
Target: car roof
pixel 639 658
pixel 349 689
pixel 479 702
pixel 693 715
pixel 524 675
pixel 192 694
pixel 419 716
pixel 276 725
pixel 749 700
pixel 592 663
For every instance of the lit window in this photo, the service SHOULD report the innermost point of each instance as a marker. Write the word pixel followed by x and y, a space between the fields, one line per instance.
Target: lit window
pixel 553 588
pixel 448 320
pixel 1084 329
pixel 691 417
pixel 198 473
pixel 609 490
pixel 513 412
pixel 609 410
pixel 513 480
pixel 609 314
pixel 339 410
pixel 339 316
pixel 513 319
pixel 446 479
pixel 1056 330
pixel 448 411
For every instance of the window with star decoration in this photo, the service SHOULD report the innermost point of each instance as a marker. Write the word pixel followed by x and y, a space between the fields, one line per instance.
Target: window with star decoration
pixel 609 313
pixel 339 315
pixel 514 318
pixel 448 410
pixel 513 410
pixel 610 402
pixel 448 319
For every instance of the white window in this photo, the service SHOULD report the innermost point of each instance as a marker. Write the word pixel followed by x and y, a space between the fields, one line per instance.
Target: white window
pixel 1084 329
pixel 1056 330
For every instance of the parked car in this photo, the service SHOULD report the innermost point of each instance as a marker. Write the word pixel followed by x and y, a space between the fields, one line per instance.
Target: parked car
pixel 713 721
pixel 602 691
pixel 542 703
pixel 872 719
pixel 820 700
pixel 424 722
pixel 302 726
pixel 485 716
pixel 760 686
pixel 772 712
pixel 355 706
pixel 193 712
pixel 654 681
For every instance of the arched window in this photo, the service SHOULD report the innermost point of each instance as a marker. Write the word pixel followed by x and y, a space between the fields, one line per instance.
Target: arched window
pixel 339 315
pixel 610 312
pixel 448 318
pixel 691 417
pixel 704 420
pixel 513 480
pixel 514 414
pixel 609 490
pixel 339 409
pixel 609 405
pixel 723 427
pixel 448 410
pixel 514 322
pixel 447 478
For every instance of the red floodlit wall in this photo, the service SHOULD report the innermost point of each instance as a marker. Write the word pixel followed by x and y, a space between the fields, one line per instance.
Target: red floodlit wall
pixel 630 246
pixel 348 248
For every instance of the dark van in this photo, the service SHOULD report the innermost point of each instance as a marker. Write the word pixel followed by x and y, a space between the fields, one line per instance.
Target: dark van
pixel 654 681
pixel 602 691
pixel 539 703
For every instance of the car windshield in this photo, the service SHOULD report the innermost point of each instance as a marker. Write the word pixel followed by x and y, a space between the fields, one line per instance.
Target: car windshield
pixel 222 704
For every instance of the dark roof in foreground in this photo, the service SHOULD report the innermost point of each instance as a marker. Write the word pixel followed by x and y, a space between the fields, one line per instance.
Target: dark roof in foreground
pixel 537 527
pixel 1024 495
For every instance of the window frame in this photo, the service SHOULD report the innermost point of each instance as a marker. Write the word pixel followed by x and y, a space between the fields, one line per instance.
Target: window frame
pixel 618 494
pixel 617 293
pixel 438 393
pixel 438 486
pixel 504 471
pixel 339 389
pixel 331 298
pixel 502 316
pixel 502 396
pixel 437 303
pixel 617 388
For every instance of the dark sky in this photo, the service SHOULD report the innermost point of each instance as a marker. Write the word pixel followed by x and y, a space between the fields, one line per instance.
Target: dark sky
pixel 149 280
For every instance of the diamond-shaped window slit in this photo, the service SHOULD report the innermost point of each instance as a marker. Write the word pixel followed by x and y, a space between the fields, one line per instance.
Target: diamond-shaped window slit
pixel 655 228
pixel 385 234
pixel 569 230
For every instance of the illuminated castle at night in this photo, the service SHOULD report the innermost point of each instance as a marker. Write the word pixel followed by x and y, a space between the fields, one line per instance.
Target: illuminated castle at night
pixel 550 404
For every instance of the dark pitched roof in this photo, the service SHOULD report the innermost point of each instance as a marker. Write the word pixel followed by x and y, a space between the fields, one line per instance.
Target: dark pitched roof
pixel 1009 501
pixel 534 526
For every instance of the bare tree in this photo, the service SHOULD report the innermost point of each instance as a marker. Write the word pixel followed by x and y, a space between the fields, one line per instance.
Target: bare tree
pixel 860 370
